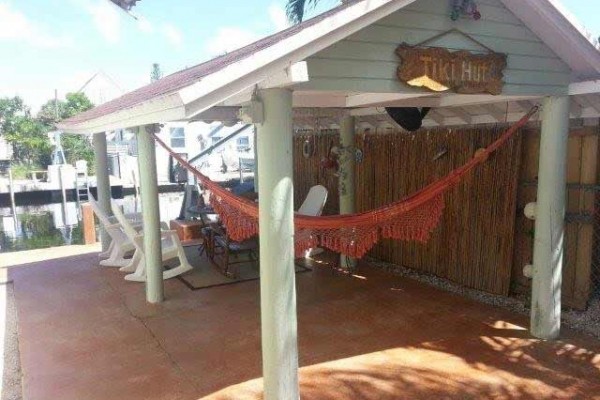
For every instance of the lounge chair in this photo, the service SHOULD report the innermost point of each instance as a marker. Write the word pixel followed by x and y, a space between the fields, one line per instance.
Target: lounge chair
pixel 120 245
pixel 170 245
pixel 314 202
pixel 313 205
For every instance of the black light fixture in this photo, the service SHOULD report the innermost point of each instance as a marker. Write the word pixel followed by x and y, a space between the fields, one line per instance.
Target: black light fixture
pixel 410 118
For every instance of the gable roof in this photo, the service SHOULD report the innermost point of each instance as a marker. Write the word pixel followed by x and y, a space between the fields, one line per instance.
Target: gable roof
pixel 211 82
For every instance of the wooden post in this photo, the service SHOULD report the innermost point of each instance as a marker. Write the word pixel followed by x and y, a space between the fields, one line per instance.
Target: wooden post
pixel 276 225
pixel 102 182
pixel 89 225
pixel 150 213
pixel 548 251
pixel 11 190
pixel 346 178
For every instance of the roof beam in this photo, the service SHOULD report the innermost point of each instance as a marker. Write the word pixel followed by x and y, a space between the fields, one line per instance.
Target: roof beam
pixel 380 99
pixel 437 117
pixel 494 112
pixel 587 87
pixel 462 114
pixel 575 109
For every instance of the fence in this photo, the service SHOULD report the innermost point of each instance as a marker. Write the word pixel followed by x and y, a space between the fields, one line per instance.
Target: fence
pixel 483 240
pixel 581 271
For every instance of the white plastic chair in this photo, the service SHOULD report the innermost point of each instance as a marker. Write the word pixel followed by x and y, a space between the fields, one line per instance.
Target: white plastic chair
pixel 170 245
pixel 313 205
pixel 314 202
pixel 120 245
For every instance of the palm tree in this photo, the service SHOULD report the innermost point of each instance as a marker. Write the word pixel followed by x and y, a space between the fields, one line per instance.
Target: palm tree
pixel 295 9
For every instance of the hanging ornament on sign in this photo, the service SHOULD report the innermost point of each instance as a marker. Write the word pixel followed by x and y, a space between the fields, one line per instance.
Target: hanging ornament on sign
pixel 465 7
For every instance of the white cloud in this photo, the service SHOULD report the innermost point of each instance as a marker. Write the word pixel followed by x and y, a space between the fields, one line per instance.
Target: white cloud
pixel 172 34
pixel 106 19
pixel 278 17
pixel 144 25
pixel 15 26
pixel 230 38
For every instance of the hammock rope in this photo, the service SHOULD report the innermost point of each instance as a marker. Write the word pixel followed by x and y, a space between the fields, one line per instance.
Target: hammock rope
pixel 411 218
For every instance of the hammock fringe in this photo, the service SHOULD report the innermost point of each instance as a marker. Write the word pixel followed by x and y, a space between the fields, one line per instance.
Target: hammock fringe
pixel 412 218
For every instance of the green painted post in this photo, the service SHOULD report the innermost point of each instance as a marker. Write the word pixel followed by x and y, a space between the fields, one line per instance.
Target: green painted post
pixel 549 241
pixel 150 213
pixel 277 273
pixel 346 178
pixel 102 182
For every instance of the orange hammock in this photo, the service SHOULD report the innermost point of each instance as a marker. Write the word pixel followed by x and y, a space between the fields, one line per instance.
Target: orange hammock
pixel 411 218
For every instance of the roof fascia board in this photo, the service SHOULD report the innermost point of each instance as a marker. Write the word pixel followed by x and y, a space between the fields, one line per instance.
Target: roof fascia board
pixel 163 109
pixel 236 77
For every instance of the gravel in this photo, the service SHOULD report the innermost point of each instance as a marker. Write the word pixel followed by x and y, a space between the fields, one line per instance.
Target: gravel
pixel 587 321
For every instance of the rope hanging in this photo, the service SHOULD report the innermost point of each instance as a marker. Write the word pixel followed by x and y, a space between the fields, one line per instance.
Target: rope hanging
pixel 411 218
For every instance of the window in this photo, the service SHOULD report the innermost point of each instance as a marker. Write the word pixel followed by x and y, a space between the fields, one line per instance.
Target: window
pixel 177 137
pixel 243 143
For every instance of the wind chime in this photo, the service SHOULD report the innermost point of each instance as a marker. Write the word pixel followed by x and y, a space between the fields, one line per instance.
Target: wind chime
pixel 467 8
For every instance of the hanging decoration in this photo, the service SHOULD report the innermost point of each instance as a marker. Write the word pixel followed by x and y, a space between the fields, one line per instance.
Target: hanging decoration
pixel 467 8
pixel 331 161
pixel 439 69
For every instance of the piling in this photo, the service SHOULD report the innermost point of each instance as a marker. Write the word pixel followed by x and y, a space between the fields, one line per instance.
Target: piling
pixel 89 225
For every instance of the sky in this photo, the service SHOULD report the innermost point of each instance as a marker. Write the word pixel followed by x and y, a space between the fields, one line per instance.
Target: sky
pixel 59 44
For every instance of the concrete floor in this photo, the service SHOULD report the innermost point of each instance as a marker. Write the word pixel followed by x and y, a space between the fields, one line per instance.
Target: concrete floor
pixel 85 333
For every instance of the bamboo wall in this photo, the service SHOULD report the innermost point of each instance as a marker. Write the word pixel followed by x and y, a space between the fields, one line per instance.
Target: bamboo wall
pixel 308 171
pixel 473 244
pixel 483 240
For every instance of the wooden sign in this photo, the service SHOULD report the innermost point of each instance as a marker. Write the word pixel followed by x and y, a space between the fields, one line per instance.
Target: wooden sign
pixel 440 70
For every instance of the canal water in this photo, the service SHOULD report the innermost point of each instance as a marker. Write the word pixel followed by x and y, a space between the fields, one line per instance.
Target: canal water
pixel 58 224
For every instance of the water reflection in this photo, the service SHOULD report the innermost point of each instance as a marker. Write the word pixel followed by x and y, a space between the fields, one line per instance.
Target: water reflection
pixel 59 224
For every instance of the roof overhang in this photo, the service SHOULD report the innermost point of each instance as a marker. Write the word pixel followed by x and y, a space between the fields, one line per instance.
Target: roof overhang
pixel 561 32
pixel 279 64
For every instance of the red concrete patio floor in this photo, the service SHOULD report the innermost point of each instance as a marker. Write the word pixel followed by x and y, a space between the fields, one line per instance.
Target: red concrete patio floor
pixel 85 333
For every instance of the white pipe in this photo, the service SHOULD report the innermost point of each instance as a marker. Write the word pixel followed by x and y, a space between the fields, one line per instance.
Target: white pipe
pixel 346 177
pixel 102 182
pixel 549 240
pixel 150 214
pixel 276 223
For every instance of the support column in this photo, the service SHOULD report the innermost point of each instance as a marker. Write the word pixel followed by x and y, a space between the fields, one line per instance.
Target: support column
pixel 549 241
pixel 277 274
pixel 346 178
pixel 150 213
pixel 255 133
pixel 102 182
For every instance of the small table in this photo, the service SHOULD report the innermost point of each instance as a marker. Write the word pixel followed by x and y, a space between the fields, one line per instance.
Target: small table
pixel 189 231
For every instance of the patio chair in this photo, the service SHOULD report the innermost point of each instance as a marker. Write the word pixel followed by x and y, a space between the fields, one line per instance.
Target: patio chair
pixel 120 245
pixel 170 245
pixel 314 202
pixel 222 247
pixel 313 205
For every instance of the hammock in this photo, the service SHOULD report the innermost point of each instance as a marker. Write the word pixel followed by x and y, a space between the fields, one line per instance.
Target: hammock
pixel 411 218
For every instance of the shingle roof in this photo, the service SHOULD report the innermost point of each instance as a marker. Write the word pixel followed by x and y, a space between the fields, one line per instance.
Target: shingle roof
pixel 189 76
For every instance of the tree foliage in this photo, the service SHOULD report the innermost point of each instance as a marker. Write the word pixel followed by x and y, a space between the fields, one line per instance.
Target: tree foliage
pixel 156 73
pixel 76 147
pixel 296 9
pixel 28 134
